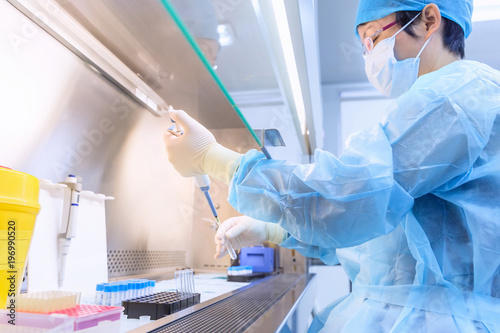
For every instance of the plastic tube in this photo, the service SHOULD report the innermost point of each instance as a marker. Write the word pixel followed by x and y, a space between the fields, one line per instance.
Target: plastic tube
pixel 143 320
pixel 115 295
pixel 121 294
pixel 106 299
pixel 229 245
pixel 192 281
pixel 130 289
pixel 99 290
pixel 152 285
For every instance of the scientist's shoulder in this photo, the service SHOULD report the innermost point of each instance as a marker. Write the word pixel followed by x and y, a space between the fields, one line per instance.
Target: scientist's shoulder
pixel 459 78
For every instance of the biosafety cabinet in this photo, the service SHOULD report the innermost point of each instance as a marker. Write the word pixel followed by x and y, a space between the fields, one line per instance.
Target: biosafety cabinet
pixel 85 86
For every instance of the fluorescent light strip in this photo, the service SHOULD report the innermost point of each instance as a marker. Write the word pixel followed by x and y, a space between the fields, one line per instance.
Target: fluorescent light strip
pixel 486 10
pixel 291 64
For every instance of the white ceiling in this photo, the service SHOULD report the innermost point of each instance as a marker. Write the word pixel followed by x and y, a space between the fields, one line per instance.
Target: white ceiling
pixel 341 57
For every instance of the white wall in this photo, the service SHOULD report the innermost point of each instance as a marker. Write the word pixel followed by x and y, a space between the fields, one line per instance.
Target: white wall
pixel 331 283
pixel 348 109
pixel 356 115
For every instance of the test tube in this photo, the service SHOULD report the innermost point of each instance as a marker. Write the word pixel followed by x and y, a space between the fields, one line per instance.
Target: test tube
pixel 115 295
pixel 177 281
pixel 136 289
pixel 111 294
pixel 131 289
pixel 183 284
pixel 122 293
pixel 106 299
pixel 143 320
pixel 141 288
pixel 152 285
pixel 116 287
pixel 99 290
pixel 127 291
pixel 229 245
pixel 192 282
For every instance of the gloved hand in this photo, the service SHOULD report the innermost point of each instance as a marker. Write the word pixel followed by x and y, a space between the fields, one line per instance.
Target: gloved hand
pixel 196 152
pixel 186 152
pixel 245 231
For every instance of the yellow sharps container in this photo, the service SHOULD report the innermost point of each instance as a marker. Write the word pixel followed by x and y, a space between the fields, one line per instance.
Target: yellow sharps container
pixel 18 210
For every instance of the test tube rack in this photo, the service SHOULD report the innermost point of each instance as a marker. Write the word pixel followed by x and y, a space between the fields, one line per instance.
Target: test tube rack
pixel 160 304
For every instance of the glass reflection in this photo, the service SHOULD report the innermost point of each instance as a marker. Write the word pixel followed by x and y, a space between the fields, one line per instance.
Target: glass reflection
pixel 226 35
pixel 200 19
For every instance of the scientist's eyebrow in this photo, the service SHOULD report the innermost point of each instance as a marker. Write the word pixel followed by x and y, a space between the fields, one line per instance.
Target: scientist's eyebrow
pixel 368 26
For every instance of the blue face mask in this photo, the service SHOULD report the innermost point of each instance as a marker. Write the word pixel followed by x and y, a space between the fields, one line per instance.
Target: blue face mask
pixel 388 75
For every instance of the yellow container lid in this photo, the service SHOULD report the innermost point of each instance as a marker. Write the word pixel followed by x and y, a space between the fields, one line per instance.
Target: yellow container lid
pixel 18 188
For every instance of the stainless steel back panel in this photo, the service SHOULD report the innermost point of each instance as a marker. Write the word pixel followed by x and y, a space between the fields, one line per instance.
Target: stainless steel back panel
pixel 61 116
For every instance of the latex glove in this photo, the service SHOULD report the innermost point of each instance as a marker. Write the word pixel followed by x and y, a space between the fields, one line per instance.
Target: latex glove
pixel 196 152
pixel 245 231
pixel 186 152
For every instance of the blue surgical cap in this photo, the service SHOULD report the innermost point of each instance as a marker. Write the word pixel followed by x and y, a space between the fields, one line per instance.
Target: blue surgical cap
pixel 459 11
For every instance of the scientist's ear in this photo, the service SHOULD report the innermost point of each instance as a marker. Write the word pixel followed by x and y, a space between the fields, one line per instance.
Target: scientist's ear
pixel 431 20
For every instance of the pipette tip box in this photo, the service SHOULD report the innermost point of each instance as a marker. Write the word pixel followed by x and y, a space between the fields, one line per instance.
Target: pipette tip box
pixel 160 304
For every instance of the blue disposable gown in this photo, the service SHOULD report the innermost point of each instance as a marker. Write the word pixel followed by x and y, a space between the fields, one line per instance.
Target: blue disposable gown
pixel 411 209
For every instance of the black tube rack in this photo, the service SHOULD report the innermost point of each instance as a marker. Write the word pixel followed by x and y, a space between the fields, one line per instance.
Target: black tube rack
pixel 159 305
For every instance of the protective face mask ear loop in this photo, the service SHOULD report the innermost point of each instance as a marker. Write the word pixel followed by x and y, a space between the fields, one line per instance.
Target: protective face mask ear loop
pixel 407 24
pixel 423 48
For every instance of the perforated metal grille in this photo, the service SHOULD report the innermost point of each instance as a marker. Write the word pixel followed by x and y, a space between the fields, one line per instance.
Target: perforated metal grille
pixel 124 262
pixel 236 313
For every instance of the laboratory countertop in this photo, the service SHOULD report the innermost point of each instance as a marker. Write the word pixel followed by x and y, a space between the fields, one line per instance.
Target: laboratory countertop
pixel 277 303
pixel 209 286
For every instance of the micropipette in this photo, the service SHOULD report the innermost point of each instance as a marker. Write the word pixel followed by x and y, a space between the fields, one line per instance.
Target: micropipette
pixel 70 218
pixel 203 182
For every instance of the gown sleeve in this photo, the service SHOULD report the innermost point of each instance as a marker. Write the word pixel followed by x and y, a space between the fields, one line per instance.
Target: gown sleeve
pixel 427 142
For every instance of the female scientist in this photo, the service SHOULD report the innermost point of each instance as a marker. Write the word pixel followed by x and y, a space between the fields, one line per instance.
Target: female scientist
pixel 412 207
